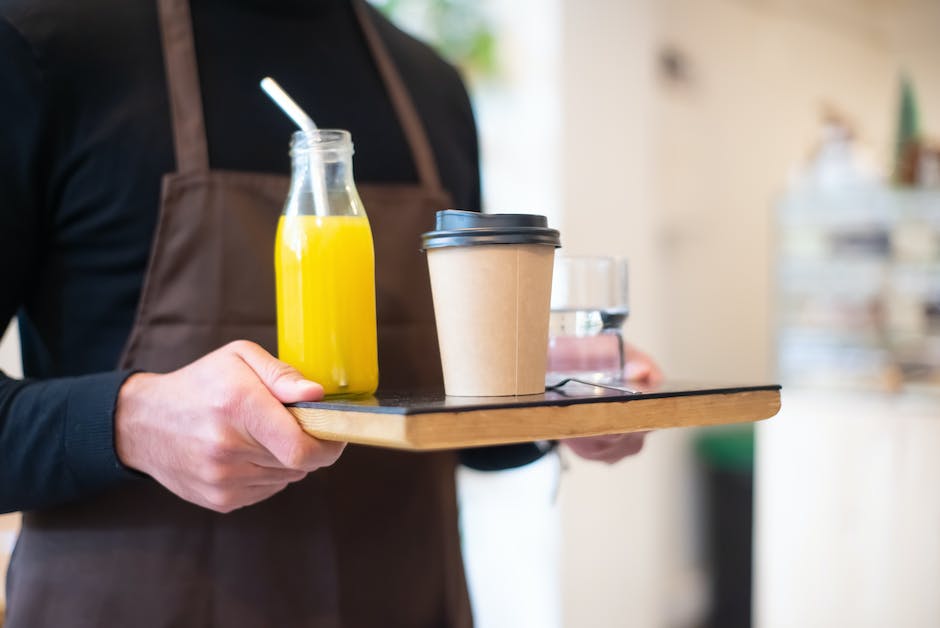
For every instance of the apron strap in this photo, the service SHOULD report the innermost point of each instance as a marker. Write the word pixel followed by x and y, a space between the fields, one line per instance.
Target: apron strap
pixel 404 107
pixel 186 113
pixel 182 81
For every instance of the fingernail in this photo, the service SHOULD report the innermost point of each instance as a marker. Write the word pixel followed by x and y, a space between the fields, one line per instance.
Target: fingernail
pixel 633 371
pixel 309 386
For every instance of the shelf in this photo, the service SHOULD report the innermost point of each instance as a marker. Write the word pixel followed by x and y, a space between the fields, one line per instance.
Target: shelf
pixel 858 287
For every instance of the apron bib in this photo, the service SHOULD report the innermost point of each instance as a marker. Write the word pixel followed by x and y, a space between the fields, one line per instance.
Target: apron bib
pixel 371 541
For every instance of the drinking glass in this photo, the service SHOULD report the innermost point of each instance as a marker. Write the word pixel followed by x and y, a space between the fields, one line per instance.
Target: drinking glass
pixel 589 307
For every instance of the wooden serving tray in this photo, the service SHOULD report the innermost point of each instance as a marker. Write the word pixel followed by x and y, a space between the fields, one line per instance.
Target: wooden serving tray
pixel 422 421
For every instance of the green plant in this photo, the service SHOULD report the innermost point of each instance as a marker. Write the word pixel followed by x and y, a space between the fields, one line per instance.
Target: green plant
pixel 458 29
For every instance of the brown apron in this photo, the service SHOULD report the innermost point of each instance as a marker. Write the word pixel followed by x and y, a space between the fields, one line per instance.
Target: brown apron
pixel 371 541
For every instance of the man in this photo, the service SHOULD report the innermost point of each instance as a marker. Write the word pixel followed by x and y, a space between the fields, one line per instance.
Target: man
pixel 142 172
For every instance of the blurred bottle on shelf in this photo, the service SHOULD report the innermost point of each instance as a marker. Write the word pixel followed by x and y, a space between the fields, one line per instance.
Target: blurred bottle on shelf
pixel 916 159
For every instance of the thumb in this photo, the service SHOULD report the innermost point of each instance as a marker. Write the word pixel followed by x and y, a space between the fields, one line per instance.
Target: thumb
pixel 641 368
pixel 289 386
pixel 284 381
pixel 636 371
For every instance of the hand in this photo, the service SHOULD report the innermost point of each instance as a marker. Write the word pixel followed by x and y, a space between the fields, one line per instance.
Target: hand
pixel 216 432
pixel 639 369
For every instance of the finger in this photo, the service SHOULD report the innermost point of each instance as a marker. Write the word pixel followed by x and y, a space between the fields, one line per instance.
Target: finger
pixel 635 371
pixel 629 445
pixel 266 475
pixel 283 380
pixel 276 430
pixel 655 375
pixel 250 474
pixel 641 368
pixel 607 449
pixel 226 500
pixel 258 454
pixel 590 447
pixel 270 424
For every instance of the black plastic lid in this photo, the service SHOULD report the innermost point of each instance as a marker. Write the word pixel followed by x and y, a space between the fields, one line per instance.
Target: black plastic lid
pixel 455 227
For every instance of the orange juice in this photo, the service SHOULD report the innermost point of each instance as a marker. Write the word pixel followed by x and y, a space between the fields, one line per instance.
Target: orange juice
pixel 326 328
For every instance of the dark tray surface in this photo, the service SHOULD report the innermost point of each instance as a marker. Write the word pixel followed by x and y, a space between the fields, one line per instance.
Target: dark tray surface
pixel 434 401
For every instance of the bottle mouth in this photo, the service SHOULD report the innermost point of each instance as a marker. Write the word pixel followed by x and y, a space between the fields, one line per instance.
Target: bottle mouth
pixel 337 141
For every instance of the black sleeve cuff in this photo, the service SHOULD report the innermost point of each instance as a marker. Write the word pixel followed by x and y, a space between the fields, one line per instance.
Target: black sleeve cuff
pixel 502 457
pixel 89 430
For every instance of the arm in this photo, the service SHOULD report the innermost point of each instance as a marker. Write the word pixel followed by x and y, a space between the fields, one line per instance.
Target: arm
pixel 56 440
pixel 54 435
pixel 215 433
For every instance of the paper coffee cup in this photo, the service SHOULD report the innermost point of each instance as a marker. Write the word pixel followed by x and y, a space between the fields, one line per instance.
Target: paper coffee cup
pixel 491 278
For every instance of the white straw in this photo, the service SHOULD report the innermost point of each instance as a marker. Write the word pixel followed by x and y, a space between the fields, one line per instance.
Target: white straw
pixel 317 178
pixel 287 104
pixel 317 171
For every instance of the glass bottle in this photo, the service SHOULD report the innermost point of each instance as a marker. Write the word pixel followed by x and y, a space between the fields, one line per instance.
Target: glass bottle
pixel 325 270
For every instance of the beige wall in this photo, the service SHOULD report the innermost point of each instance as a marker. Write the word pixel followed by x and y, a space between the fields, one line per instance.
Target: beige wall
pixel 681 178
pixel 627 552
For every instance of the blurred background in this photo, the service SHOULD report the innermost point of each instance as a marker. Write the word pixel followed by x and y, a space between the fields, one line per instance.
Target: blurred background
pixel 771 168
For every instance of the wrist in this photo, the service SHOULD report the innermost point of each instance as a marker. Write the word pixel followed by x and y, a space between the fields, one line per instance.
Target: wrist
pixel 131 407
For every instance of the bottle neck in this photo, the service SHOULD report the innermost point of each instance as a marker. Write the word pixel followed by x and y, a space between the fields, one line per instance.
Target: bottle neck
pixel 322 183
pixel 336 173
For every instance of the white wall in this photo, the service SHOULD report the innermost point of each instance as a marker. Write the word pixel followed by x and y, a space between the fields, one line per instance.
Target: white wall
pixel 9 364
pixel 519 113
pixel 629 553
pixel 10 352
pixel 848 512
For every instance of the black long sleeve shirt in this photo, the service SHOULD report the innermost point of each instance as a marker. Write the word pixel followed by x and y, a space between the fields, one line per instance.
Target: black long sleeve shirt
pixel 84 141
